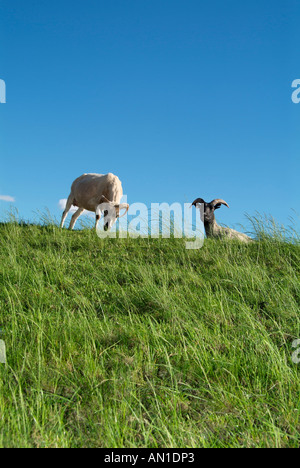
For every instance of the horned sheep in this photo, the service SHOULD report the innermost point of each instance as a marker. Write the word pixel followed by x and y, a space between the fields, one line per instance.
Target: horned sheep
pixel 212 229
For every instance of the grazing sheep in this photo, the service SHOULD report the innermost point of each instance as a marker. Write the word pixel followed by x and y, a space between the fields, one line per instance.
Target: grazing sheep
pixel 97 193
pixel 212 229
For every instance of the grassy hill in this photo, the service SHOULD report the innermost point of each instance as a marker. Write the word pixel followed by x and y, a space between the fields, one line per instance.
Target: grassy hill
pixel 142 343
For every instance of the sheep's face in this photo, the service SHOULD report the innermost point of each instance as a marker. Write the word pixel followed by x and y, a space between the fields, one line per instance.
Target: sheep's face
pixel 111 212
pixel 209 212
pixel 110 217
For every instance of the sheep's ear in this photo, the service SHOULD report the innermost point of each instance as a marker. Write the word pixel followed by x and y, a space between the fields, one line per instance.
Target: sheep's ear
pixel 217 206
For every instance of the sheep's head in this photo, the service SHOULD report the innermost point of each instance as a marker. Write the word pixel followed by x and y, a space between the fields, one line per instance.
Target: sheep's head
pixel 111 211
pixel 208 213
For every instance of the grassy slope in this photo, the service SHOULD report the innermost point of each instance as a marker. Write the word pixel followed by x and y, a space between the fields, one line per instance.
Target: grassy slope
pixel 142 343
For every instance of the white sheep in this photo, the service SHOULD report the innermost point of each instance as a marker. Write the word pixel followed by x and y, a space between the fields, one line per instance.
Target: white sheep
pixel 212 229
pixel 97 193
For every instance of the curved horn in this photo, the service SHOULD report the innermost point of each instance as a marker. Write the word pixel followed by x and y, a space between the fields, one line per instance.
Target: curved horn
pixel 124 206
pixel 219 200
pixel 198 200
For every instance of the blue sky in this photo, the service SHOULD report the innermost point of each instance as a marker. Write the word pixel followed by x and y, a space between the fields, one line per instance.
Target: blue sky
pixel 180 99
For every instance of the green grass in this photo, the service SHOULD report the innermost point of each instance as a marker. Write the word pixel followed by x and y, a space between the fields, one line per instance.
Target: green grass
pixel 142 343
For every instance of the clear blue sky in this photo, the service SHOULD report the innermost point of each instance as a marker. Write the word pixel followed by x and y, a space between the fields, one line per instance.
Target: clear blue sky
pixel 179 98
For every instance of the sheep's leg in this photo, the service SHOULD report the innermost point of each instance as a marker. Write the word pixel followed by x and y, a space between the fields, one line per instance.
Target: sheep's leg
pixel 75 216
pixel 66 211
